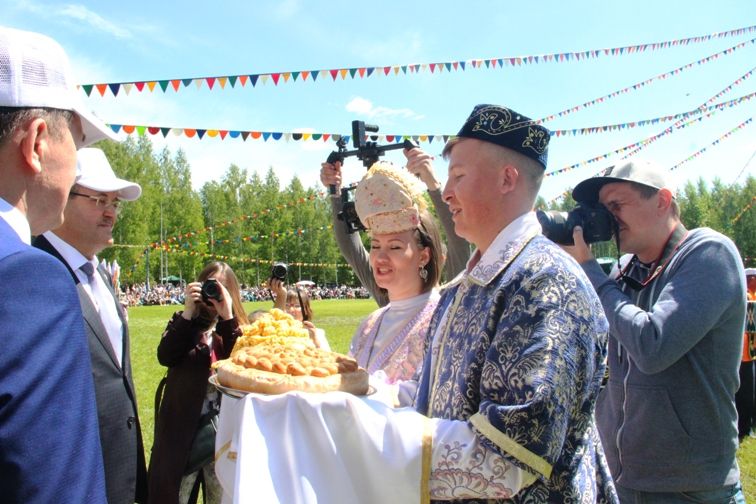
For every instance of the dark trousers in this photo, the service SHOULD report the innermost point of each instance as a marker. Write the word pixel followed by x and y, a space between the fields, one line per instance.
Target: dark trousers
pixel 745 398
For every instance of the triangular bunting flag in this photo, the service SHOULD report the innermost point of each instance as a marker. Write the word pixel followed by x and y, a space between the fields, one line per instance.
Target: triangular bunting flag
pixel 201 133
pixel 253 78
pixel 165 131
pixel 305 74
pixel 266 135
pixel 87 88
pixel 265 78
pixel 141 130
pixel 210 83
pixel 176 83
pixel 163 85
pixel 352 72
pixel 370 71
pixel 232 80
pixel 115 127
pixel 127 87
pixel 362 71
pixel 151 85
pixel 102 88
pixel 295 75
pixel 114 88
pixel 343 72
pixel 222 81
pixel 243 79
pixel 244 135
pixel 275 77
pixel 334 74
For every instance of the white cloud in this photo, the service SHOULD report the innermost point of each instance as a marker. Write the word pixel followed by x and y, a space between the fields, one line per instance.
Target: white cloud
pixel 81 13
pixel 365 107
pixel 287 9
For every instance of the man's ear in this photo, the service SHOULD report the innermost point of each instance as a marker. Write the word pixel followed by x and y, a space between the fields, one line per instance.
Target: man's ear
pixel 508 176
pixel 35 136
pixel 665 199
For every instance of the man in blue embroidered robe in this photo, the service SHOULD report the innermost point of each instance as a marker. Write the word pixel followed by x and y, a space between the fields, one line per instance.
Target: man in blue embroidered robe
pixel 518 341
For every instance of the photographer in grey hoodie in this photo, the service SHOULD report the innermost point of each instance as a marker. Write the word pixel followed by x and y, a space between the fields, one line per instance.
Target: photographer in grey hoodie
pixel 676 310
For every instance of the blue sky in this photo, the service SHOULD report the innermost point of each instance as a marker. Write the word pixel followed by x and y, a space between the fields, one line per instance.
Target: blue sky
pixel 139 41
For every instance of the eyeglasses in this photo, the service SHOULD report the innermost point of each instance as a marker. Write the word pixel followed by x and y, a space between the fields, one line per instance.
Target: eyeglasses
pixel 102 202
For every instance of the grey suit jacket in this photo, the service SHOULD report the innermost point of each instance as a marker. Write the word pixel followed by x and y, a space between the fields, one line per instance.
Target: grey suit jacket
pixel 120 432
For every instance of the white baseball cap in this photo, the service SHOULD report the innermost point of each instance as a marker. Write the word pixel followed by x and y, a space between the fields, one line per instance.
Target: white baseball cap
pixel 94 172
pixel 35 73
pixel 750 271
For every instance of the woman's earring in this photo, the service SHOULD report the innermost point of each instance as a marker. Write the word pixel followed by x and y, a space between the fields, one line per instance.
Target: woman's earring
pixel 423 273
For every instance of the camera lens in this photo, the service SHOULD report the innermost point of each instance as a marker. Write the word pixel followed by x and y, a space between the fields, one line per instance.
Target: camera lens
pixel 210 290
pixel 556 226
pixel 279 271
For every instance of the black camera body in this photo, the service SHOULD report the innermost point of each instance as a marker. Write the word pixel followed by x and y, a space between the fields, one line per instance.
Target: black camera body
pixel 348 214
pixel 597 222
pixel 366 151
pixel 211 290
pixel 279 271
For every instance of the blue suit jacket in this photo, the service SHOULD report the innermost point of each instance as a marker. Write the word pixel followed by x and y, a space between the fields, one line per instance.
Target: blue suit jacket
pixel 49 442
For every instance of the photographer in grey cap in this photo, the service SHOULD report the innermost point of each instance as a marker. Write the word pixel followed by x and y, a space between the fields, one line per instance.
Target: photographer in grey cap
pixel 49 447
pixel 676 310
pixel 90 215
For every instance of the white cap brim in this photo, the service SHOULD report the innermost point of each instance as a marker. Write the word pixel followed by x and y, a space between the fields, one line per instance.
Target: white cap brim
pixel 93 128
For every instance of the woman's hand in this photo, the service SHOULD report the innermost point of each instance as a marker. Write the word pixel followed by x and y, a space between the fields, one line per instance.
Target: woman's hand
pixel 420 164
pixel 278 288
pixel 317 337
pixel 192 297
pixel 330 175
pixel 224 308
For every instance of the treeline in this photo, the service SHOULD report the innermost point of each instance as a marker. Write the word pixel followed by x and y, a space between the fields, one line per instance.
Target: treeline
pixel 251 222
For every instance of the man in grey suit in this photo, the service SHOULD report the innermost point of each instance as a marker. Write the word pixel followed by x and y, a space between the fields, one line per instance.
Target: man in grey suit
pixel 90 214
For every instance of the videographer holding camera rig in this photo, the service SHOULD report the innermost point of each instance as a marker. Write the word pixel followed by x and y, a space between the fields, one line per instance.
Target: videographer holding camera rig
pixel 420 164
pixel 676 310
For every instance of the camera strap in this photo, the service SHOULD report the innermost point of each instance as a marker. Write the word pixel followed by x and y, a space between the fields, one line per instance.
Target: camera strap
pixel 675 240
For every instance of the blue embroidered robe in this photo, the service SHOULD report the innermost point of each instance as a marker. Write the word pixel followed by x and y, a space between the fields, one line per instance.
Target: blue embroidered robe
pixel 521 359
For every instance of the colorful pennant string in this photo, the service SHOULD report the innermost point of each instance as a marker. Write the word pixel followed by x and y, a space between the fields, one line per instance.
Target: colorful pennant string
pixel 167 242
pixel 699 152
pixel 221 82
pixel 743 211
pixel 200 134
pixel 644 83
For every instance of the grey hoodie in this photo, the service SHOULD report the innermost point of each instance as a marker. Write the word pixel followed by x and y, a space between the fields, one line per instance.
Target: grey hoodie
pixel 667 416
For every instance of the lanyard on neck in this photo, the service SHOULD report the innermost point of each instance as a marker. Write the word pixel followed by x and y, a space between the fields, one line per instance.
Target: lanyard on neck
pixel 675 240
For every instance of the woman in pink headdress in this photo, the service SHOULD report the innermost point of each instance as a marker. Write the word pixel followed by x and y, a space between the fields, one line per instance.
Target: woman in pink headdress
pixel 406 258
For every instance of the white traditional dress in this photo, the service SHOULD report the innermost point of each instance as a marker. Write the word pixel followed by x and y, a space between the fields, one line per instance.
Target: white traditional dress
pixel 392 338
pixel 518 352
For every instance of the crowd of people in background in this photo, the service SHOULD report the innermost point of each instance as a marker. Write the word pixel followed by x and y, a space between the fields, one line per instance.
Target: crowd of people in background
pixel 140 294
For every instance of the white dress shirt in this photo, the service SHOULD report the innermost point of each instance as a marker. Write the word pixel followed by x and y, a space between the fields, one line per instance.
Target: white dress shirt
pixel 98 291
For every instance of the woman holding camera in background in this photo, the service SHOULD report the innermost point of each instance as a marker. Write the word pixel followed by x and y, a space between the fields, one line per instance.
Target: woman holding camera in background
pixel 296 302
pixel 205 331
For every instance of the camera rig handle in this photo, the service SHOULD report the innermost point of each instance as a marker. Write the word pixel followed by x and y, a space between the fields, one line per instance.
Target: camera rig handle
pixel 367 152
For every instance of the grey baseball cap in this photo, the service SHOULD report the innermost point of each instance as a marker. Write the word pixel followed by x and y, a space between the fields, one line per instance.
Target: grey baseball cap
pixel 640 171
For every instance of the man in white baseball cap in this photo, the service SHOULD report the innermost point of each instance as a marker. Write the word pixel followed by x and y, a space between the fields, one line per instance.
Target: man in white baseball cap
pixel 90 215
pixel 49 445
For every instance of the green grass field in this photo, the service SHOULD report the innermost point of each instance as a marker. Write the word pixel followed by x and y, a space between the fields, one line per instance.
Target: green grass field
pixel 339 318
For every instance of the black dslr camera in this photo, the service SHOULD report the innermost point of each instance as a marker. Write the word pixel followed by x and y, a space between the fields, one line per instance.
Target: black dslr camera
pixel 279 271
pixel 597 222
pixel 211 290
pixel 366 151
